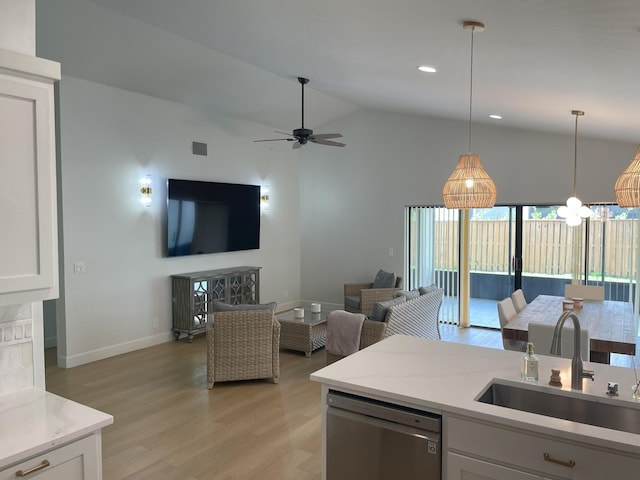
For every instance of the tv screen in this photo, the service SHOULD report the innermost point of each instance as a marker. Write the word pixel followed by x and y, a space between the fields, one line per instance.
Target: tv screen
pixel 211 217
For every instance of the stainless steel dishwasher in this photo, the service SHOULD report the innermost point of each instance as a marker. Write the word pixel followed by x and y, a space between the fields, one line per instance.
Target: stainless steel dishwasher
pixel 374 440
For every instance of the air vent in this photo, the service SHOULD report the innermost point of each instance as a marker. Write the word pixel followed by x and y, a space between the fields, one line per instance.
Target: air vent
pixel 199 148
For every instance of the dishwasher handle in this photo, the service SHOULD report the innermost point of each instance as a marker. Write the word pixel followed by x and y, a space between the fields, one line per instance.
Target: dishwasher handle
pixel 385 424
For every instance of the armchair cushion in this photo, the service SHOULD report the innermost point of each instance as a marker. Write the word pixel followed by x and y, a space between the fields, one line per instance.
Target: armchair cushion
pixel 364 296
pixel 379 311
pixel 384 280
pixel 352 303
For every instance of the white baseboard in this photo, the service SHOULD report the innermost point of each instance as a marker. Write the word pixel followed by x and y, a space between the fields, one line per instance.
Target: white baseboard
pixel 113 350
pixel 137 344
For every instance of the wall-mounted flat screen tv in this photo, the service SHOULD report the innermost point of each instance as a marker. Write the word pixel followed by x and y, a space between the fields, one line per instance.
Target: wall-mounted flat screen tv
pixel 211 217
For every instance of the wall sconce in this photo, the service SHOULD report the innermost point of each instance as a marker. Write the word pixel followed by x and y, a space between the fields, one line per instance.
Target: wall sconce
pixel 145 190
pixel 265 201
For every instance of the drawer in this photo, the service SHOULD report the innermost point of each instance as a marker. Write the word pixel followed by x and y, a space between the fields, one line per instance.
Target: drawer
pixel 538 453
pixel 75 461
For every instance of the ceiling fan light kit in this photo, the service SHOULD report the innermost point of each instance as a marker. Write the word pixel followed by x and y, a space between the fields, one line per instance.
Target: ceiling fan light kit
pixel 301 136
pixel 469 185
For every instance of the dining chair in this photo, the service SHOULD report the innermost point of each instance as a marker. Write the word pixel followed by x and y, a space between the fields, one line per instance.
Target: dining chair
pixel 588 292
pixel 541 335
pixel 519 302
pixel 506 313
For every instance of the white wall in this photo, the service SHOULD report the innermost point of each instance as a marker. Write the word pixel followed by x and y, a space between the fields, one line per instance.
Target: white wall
pixel 335 212
pixel 109 139
pixel 353 198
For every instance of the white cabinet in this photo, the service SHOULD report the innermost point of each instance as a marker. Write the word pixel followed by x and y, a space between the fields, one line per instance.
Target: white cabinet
pixel 79 460
pixel 467 468
pixel 49 436
pixel 479 450
pixel 28 244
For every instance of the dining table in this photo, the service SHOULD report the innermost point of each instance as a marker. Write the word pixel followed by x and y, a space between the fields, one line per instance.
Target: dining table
pixel 610 323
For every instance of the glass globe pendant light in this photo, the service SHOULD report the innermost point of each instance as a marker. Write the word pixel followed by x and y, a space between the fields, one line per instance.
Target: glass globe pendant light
pixel 574 211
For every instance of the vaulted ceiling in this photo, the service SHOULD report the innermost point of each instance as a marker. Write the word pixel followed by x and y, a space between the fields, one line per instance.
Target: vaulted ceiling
pixel 535 62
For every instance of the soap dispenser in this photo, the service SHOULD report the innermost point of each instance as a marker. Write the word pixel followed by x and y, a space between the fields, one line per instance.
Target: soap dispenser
pixel 529 369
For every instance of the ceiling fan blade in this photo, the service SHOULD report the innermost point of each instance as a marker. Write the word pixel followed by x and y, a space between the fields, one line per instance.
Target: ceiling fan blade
pixel 273 140
pixel 326 142
pixel 323 136
pixel 296 145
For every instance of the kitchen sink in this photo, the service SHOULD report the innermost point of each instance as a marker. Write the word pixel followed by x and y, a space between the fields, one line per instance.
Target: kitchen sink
pixel 602 411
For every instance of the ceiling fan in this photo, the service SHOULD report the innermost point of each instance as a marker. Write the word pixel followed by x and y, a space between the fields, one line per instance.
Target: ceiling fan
pixel 303 135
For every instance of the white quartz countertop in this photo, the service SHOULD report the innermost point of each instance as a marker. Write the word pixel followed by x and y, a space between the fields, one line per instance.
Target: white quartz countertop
pixel 445 377
pixel 33 421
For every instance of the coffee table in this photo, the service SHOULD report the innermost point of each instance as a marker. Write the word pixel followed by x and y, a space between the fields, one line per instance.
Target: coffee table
pixel 303 334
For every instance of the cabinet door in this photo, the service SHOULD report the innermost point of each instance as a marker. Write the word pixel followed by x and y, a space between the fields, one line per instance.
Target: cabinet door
pixel 79 460
pixel 460 467
pixel 28 244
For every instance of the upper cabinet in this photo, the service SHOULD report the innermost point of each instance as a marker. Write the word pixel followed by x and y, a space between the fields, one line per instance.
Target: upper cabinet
pixel 28 219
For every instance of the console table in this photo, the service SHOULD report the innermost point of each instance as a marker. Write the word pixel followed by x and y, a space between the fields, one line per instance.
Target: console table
pixel 193 294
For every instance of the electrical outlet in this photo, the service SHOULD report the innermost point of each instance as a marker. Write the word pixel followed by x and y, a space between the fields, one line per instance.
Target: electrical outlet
pixel 286 294
pixel 391 252
pixel 154 323
pixel 79 267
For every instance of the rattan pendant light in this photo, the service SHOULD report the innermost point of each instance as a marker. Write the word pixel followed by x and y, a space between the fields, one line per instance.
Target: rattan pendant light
pixel 573 212
pixel 469 186
pixel 627 188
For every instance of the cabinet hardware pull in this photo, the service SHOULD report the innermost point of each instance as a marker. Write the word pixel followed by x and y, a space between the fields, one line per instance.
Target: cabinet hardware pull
pixel 44 464
pixel 549 458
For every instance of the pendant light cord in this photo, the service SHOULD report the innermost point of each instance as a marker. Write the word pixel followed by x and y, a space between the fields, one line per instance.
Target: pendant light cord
pixel 471 87
pixel 575 157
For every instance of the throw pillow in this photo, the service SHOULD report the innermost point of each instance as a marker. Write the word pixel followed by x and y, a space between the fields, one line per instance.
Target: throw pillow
pixel 430 288
pixel 408 294
pixel 225 307
pixel 384 280
pixel 379 311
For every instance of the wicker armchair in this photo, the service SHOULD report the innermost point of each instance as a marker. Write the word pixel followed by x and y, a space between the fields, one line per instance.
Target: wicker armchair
pixel 368 296
pixel 243 345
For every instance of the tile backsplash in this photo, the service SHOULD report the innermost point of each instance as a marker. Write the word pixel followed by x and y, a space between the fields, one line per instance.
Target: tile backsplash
pixel 16 348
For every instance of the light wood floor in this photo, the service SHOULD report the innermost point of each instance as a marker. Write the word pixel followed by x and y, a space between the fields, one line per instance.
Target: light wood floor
pixel 168 425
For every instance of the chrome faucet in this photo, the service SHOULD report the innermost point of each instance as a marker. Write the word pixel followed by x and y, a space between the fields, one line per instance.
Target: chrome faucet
pixel 577 372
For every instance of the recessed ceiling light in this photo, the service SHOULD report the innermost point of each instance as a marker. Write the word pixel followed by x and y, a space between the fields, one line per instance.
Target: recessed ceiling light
pixel 427 69
pixel 495 117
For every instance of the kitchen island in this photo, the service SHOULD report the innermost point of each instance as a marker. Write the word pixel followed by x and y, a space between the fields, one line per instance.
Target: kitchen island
pixel 481 440
pixel 49 437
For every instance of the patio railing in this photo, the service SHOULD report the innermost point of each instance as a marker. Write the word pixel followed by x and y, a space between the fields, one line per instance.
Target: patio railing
pixel 547 247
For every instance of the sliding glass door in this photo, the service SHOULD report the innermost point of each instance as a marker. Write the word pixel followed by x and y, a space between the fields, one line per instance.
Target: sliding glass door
pixel 432 253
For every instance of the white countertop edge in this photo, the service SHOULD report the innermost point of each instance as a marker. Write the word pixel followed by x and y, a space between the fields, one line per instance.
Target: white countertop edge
pixel 33 421
pixel 378 378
